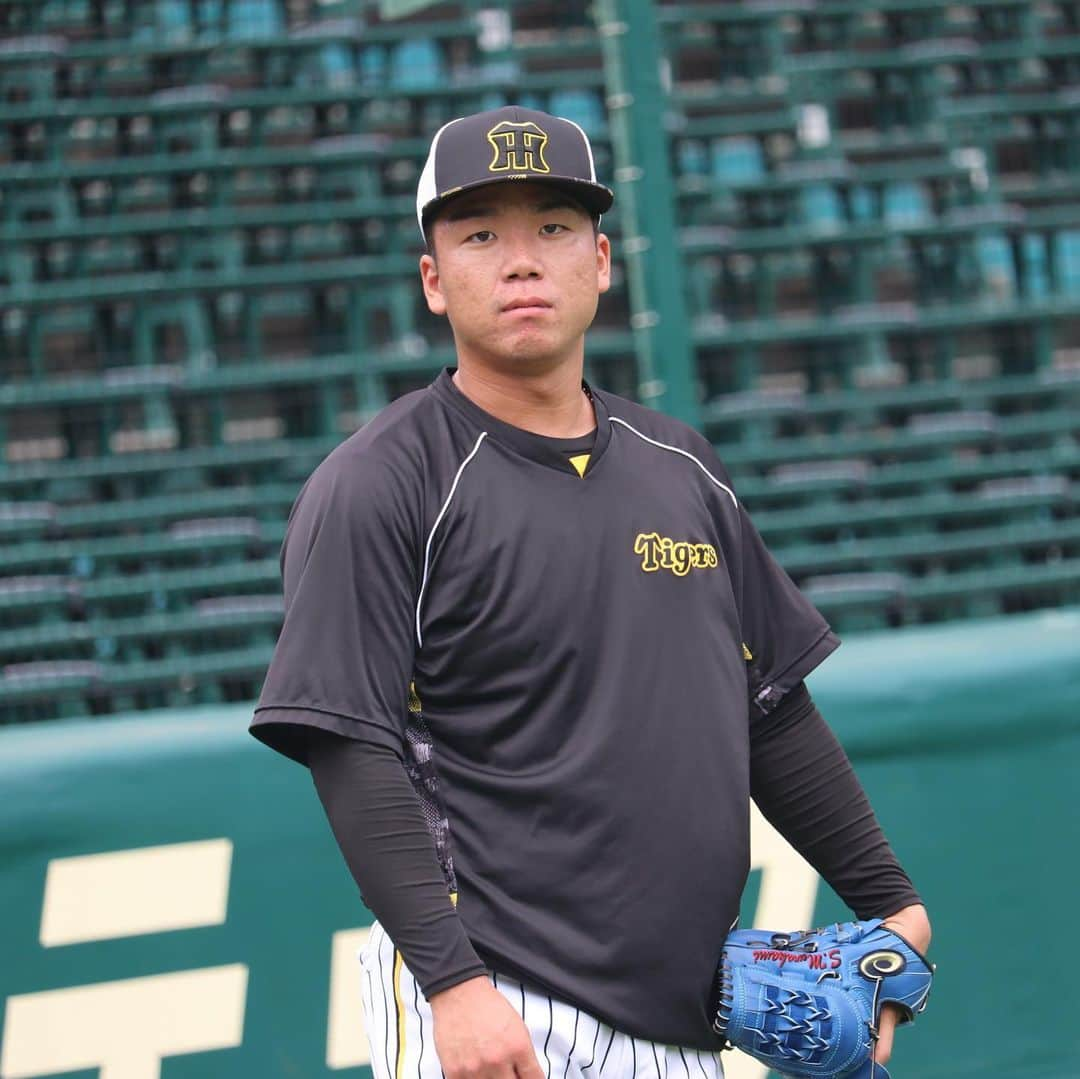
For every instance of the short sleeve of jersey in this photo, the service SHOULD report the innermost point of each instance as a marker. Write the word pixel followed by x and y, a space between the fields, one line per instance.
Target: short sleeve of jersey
pixel 344 656
pixel 784 635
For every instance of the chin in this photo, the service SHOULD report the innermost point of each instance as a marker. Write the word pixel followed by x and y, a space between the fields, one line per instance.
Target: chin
pixel 533 361
pixel 527 347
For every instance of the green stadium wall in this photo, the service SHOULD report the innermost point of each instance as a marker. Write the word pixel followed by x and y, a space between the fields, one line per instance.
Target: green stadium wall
pixel 172 902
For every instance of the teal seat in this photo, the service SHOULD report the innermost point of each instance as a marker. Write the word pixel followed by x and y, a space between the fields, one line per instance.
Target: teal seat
pixel 25 520
pixel 209 17
pixel 692 157
pixel 1050 582
pixel 1068 256
pixel 185 313
pixel 181 128
pixel 42 598
pixel 820 206
pixel 335 65
pixel 372 66
pixel 173 18
pixel 417 64
pixel 53 201
pixel 858 601
pixel 582 107
pixel 494 99
pixel 62 685
pixel 1036 270
pixel 905 203
pixel 28 69
pixel 997 272
pixel 249 20
pixel 737 159
pixel 862 204
pixel 341 174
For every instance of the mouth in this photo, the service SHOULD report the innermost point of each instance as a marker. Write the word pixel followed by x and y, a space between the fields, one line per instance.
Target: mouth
pixel 527 305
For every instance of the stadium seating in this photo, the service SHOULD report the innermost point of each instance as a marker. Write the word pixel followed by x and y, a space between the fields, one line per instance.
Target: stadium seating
pixel 208 280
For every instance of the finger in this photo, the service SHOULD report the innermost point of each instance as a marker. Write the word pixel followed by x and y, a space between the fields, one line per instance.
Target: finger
pixel 883 1047
pixel 526 1066
pixel 886 1029
pixel 489 1069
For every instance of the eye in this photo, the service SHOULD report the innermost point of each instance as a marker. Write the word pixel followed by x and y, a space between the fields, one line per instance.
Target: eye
pixel 479 237
pixel 552 229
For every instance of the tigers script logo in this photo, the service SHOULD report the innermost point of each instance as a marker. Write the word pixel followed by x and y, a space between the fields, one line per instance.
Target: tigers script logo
pixel 660 552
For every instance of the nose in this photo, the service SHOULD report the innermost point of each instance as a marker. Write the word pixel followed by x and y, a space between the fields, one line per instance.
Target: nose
pixel 522 260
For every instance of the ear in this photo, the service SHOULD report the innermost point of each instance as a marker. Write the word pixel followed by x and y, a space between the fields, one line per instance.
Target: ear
pixel 603 261
pixel 429 276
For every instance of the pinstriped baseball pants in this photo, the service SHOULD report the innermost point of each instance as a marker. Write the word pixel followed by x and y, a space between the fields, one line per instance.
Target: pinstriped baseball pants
pixel 569 1043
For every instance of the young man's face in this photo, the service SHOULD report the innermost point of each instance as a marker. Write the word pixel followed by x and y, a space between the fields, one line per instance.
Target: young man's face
pixel 518 270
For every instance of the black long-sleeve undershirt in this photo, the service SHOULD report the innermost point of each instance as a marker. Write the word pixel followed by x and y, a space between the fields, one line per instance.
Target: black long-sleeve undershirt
pixel 800 778
pixel 804 785
pixel 379 826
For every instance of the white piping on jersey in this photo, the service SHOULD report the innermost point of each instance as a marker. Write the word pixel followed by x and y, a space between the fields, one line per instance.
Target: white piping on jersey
pixel 675 449
pixel 431 535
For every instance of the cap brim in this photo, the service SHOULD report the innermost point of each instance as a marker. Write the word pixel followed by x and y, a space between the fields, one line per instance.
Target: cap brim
pixel 594 197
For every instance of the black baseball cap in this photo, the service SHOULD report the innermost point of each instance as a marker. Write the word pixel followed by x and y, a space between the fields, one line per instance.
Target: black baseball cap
pixel 510 143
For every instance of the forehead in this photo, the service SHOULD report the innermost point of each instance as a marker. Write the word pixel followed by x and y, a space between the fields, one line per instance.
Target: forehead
pixel 495 199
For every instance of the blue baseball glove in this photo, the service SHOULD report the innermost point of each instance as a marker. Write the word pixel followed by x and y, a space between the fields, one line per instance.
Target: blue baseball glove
pixel 807 1004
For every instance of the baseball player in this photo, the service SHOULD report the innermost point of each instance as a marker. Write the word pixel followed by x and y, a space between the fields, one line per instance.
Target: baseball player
pixel 538 660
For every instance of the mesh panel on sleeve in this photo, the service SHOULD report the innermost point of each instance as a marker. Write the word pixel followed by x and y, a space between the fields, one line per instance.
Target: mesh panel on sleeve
pixel 425 781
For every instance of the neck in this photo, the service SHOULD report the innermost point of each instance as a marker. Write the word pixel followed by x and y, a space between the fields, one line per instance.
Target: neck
pixel 549 403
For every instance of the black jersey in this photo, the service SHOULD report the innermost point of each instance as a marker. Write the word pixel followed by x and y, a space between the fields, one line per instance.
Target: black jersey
pixel 568 656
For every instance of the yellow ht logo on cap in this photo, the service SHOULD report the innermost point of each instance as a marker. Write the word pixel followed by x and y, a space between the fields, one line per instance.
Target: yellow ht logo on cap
pixel 518 147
